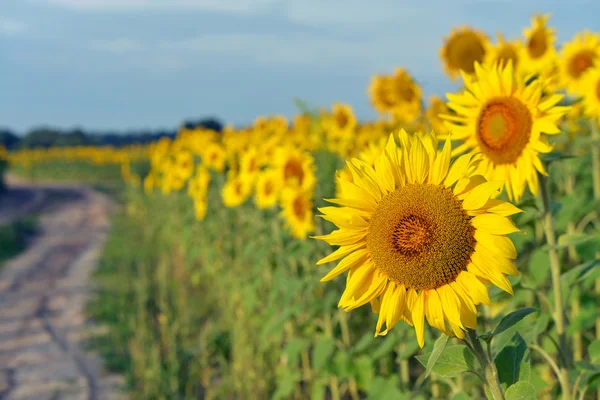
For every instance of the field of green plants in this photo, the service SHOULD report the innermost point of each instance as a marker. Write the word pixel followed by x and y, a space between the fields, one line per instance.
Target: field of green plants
pixel 458 264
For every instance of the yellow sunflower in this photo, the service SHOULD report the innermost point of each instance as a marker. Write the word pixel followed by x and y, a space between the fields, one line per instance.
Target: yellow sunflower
pixel 214 157
pixel 421 236
pixel 296 167
pixel 540 49
pixel 297 209
pixel 200 182
pixel 462 49
pixel 268 186
pixel 405 95
pixel 576 57
pixel 184 161
pixel 200 205
pixel 501 117
pixel 379 93
pixel 503 51
pixel 437 107
pixel 236 190
pixel 590 90
pixel 250 163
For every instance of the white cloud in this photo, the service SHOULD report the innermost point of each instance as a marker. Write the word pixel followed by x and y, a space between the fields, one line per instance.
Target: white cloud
pixel 10 27
pixel 230 6
pixel 117 46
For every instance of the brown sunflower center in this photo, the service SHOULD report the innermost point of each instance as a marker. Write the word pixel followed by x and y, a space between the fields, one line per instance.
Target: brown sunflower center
pixel 268 188
pixel 580 62
pixel 299 207
pixel 538 44
pixel 293 170
pixel 503 129
pixel 342 119
pixel 507 53
pixel 464 50
pixel 420 236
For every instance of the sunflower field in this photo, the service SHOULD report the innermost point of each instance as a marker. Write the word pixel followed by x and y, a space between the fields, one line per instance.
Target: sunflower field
pixel 448 250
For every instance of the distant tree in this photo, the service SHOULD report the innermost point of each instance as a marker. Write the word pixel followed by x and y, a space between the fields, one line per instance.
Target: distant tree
pixel 8 139
pixel 207 123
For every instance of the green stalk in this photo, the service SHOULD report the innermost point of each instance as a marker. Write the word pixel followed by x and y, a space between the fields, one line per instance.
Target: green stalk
pixel 559 314
pixel 490 373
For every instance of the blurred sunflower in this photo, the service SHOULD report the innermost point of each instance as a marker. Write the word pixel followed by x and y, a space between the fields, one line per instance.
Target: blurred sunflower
pixel 268 186
pixel 296 168
pixel 379 93
pixel 437 107
pixel 422 236
pixel 503 51
pixel 184 164
pixel 540 50
pixel 590 90
pixel 200 205
pixel 200 182
pixel 214 157
pixel 504 119
pixel 576 57
pixel 462 49
pixel 405 94
pixel 297 209
pixel 250 163
pixel 236 190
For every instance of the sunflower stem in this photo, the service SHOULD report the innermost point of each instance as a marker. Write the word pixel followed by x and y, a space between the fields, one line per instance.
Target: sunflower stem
pixel 559 314
pixel 490 372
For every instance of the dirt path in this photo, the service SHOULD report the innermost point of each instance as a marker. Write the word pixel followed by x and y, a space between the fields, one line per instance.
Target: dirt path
pixel 43 292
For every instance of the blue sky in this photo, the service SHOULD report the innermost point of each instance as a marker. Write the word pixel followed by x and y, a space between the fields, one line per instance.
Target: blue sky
pixel 150 64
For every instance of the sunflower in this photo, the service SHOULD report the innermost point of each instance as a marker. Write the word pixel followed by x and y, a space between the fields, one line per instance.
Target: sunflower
pixel 503 118
pixel 296 168
pixel 503 51
pixel 420 236
pixel 297 209
pixel 214 157
pixel 576 57
pixel 540 50
pixel 462 49
pixel 590 90
pixel 250 163
pixel 405 95
pixel 184 161
pixel 200 205
pixel 200 182
pixel 268 186
pixel 379 93
pixel 437 107
pixel 236 190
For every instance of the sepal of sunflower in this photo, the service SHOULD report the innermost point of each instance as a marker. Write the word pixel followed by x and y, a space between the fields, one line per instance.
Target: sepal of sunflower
pixel 420 237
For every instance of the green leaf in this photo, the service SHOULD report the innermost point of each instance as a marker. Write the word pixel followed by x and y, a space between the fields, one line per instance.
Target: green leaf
pixel 585 366
pixel 453 361
pixel 512 319
pixel 286 385
pixel 572 239
pixel 438 348
pixel 514 362
pixel 520 391
pixel 383 389
pixel 293 349
pixel 319 389
pixel 548 158
pixel 364 372
pixel 578 273
pixel 461 396
pixel 539 266
pixel 323 349
pixel 594 351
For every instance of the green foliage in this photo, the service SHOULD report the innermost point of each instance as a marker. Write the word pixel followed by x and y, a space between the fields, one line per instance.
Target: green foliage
pixel 14 237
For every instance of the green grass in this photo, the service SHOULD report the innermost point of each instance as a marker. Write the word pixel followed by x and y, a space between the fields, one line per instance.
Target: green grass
pixel 14 237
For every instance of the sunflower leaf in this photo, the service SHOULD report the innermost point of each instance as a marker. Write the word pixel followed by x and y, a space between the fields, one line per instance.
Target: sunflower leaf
pixel 578 273
pixel 521 391
pixel 512 319
pixel 453 361
pixel 594 351
pixel 438 348
pixel 514 362
pixel 549 158
pixel 572 239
